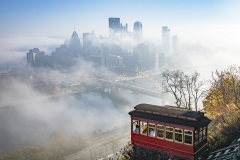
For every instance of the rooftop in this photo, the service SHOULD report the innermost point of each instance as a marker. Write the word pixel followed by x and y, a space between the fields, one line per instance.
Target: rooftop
pixel 169 110
pixel 74 34
pixel 170 114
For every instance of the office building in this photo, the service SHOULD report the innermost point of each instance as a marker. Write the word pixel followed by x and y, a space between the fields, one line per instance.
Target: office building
pixel 114 26
pixel 142 50
pixel 114 23
pixel 88 39
pixel 99 61
pixel 75 41
pixel 161 60
pixel 31 60
pixel 116 29
pixel 166 41
pixel 137 28
pixel 175 43
pixel 114 61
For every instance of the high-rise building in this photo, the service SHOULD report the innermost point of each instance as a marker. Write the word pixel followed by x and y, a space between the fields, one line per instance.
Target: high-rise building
pixel 124 28
pixel 154 61
pixel 88 39
pixel 175 45
pixel 161 60
pixel 137 28
pixel 166 41
pixel 75 41
pixel 31 60
pixel 114 23
pixel 142 50
pixel 114 26
pixel 35 58
pixel 99 61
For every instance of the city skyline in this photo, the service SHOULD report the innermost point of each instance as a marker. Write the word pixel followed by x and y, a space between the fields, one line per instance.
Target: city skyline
pixel 202 28
pixel 198 21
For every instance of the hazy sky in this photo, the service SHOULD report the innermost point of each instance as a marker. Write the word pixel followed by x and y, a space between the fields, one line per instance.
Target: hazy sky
pixel 213 21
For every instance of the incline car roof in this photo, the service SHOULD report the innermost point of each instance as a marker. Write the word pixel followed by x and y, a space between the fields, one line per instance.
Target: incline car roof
pixel 170 110
pixel 170 114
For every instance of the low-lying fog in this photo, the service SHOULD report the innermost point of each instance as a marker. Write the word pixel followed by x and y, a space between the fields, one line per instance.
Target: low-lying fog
pixel 32 123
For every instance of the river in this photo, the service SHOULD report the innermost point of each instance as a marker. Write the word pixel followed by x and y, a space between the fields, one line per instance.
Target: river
pixel 32 123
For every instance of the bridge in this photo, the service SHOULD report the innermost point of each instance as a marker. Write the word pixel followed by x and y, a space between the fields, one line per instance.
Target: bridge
pixel 131 81
pixel 137 89
pixel 123 81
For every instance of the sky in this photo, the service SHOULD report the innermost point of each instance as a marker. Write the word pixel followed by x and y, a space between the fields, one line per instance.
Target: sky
pixel 191 20
pixel 27 24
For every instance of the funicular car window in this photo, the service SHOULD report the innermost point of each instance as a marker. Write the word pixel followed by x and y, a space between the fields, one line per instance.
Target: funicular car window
pixel 143 128
pixel 188 137
pixel 196 137
pixel 204 132
pixel 178 135
pixel 160 131
pixel 151 130
pixel 135 126
pixel 169 133
pixel 200 134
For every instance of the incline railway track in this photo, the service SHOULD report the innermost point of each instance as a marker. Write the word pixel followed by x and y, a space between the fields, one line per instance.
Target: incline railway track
pixel 102 144
pixel 223 154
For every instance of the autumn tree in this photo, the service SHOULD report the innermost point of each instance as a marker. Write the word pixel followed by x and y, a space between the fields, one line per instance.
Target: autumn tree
pixel 224 91
pixel 55 143
pixel 221 104
pixel 31 153
pixel 60 145
pixel 131 152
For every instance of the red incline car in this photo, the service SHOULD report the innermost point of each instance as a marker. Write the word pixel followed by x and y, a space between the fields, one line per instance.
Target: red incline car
pixel 180 131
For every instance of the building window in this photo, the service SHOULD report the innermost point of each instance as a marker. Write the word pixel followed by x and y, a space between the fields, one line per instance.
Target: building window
pixel 196 137
pixel 160 131
pixel 188 137
pixel 178 135
pixel 135 126
pixel 169 133
pixel 151 130
pixel 143 128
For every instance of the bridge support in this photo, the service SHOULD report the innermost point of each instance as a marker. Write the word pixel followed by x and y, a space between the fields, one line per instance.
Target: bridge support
pixel 114 90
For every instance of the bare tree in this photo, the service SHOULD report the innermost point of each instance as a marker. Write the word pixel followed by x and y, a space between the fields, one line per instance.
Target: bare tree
pixel 197 90
pixel 185 88
pixel 172 83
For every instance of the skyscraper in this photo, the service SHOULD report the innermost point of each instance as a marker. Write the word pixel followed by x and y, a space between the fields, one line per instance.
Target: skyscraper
pixel 114 23
pixel 75 41
pixel 35 58
pixel 174 44
pixel 114 26
pixel 137 28
pixel 31 60
pixel 166 41
pixel 142 50
pixel 88 39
